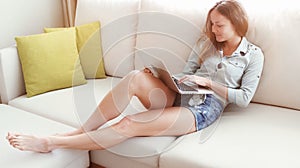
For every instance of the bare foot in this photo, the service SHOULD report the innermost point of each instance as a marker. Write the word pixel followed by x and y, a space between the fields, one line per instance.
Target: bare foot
pixel 29 143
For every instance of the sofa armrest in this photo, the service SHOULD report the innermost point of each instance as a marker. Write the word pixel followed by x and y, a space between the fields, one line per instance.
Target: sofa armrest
pixel 11 76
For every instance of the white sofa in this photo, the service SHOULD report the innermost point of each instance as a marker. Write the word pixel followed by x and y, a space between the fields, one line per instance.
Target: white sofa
pixel 265 134
pixel 17 120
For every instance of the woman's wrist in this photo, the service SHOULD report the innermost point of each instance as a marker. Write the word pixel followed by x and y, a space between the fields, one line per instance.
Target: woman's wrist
pixel 208 83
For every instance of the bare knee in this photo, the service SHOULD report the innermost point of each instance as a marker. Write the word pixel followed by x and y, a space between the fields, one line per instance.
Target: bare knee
pixel 125 127
pixel 152 92
pixel 139 81
pixel 133 73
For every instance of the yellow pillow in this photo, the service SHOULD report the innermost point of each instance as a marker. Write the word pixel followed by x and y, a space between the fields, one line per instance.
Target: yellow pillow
pixel 88 39
pixel 50 61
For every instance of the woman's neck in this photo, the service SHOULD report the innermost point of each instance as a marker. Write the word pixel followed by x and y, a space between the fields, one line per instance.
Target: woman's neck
pixel 230 46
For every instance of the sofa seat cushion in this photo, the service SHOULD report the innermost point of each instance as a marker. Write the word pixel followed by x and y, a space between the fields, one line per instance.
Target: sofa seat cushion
pixel 15 120
pixel 258 136
pixel 71 106
pixel 142 151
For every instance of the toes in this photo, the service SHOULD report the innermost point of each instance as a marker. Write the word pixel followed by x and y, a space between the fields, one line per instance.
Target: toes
pixel 9 136
pixel 13 140
pixel 18 145
pixel 13 143
pixel 12 136
pixel 21 148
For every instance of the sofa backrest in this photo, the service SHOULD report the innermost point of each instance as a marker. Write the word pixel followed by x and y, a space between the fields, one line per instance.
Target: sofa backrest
pixel 169 30
pixel 11 76
pixel 274 26
pixel 118 30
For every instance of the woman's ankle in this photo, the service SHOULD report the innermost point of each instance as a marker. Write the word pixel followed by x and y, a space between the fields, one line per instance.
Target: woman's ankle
pixel 49 143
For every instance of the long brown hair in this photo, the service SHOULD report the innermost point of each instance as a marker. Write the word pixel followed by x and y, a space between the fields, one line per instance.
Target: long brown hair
pixel 233 11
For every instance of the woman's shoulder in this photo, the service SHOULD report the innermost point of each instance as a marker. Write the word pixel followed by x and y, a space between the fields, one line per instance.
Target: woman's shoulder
pixel 252 46
pixel 255 50
pixel 255 53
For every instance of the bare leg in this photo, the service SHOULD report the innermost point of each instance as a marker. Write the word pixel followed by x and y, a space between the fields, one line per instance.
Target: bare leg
pixel 152 93
pixel 110 107
pixel 169 121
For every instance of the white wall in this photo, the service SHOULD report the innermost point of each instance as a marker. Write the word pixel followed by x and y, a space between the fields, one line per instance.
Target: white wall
pixel 25 17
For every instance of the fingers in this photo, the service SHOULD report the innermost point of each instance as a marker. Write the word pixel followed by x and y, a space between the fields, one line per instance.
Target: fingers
pixel 194 80
pixel 186 78
pixel 182 79
pixel 147 70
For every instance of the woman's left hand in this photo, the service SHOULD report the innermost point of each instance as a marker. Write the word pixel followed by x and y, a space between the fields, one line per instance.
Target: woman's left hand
pixel 197 80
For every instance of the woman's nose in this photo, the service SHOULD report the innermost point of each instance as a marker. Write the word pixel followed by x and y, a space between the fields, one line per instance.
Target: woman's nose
pixel 213 29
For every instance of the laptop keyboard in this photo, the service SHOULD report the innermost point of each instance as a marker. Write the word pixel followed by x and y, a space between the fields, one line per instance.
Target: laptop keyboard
pixel 185 87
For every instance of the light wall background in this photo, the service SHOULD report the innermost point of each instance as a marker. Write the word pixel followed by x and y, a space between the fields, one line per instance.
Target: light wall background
pixel 26 17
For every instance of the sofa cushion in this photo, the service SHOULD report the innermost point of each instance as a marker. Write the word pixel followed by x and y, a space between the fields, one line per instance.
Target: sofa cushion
pixel 276 31
pixel 170 30
pixel 16 120
pixel 50 61
pixel 11 77
pixel 108 159
pixel 88 40
pixel 71 106
pixel 258 136
pixel 142 151
pixel 118 20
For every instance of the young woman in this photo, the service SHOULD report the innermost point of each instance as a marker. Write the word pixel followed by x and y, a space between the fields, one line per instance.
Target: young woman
pixel 227 63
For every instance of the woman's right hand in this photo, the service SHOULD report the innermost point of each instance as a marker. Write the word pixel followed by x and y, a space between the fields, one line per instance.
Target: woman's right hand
pixel 197 80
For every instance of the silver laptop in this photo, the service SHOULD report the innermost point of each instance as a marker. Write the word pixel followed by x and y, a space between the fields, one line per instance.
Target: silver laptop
pixel 159 69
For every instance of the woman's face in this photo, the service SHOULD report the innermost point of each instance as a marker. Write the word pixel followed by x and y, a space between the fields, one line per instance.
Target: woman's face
pixel 222 27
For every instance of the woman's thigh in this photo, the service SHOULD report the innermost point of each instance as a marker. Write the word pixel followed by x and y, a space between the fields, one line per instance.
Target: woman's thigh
pixel 172 121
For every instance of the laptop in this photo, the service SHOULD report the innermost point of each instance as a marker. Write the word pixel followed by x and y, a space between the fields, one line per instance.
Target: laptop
pixel 159 70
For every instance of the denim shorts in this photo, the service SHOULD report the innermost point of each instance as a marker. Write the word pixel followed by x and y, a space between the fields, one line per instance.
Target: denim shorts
pixel 205 113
